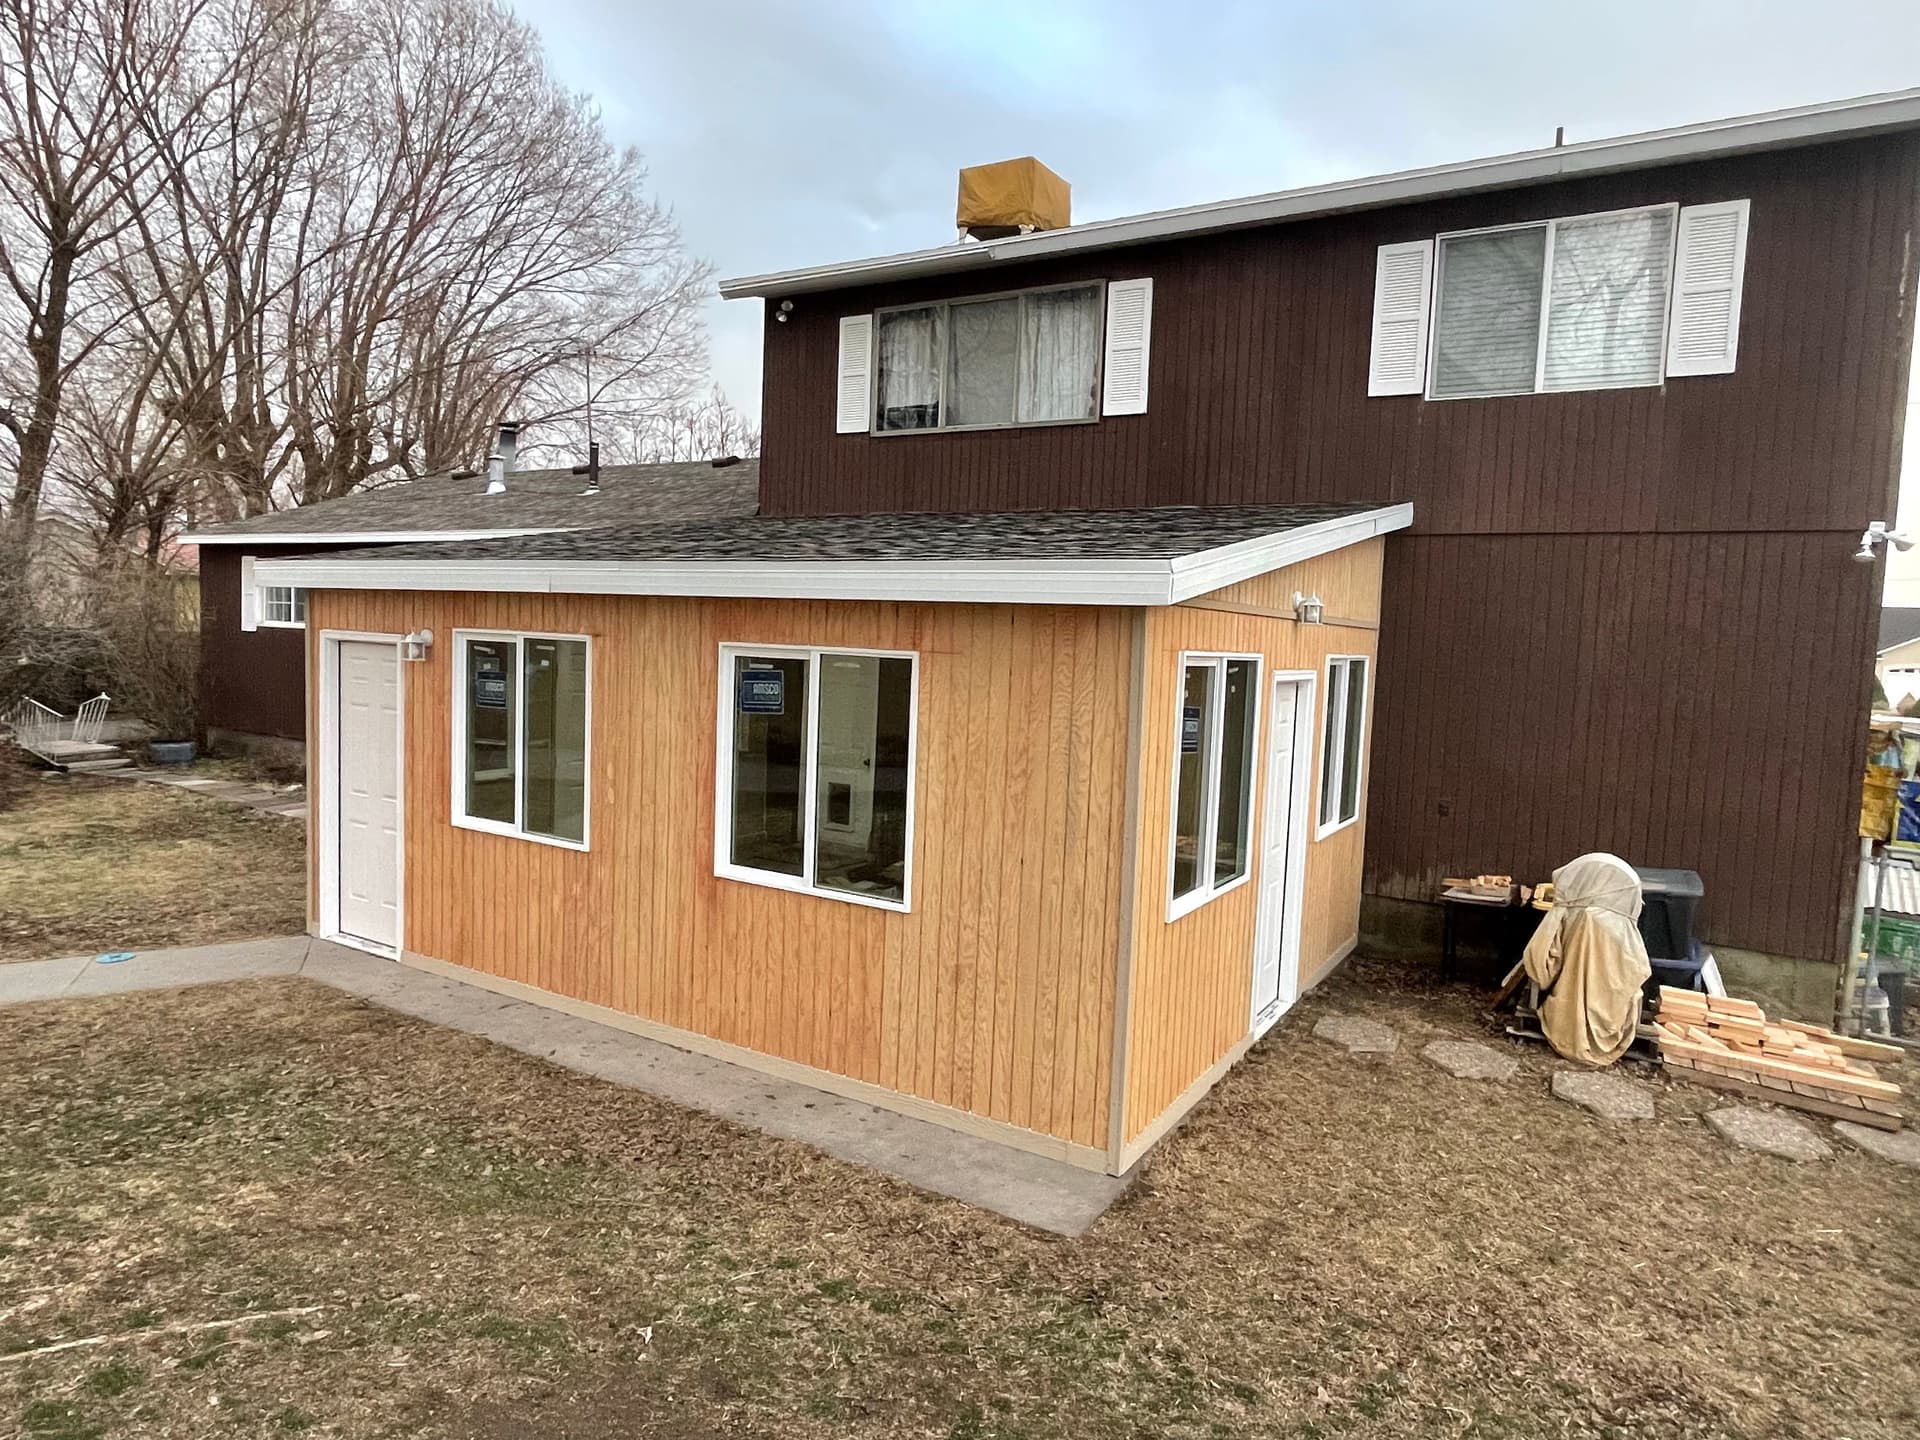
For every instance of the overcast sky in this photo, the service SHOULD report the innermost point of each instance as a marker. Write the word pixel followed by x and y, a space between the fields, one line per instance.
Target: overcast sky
pixel 792 132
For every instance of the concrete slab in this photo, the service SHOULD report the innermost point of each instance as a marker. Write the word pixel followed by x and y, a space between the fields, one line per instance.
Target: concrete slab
pixel 1047 1194
pixel 27 981
pixel 1902 1147
pixel 1608 1096
pixel 192 965
pixel 1768 1131
pixel 1469 1060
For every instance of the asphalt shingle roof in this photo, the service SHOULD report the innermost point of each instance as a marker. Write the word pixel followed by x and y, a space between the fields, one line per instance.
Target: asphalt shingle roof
pixel 1898 625
pixel 1161 533
pixel 535 499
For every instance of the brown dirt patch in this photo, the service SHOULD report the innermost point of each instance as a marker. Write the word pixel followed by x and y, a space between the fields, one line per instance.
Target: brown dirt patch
pixel 506 1249
pixel 89 865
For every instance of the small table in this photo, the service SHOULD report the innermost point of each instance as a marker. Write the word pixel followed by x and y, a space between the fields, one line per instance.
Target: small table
pixel 1516 923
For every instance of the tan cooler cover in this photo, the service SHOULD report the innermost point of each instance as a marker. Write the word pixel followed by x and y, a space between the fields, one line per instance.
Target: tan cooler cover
pixel 1013 193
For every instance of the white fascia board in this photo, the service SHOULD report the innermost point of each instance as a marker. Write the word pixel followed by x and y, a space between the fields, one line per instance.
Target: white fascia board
pixel 983 582
pixel 1806 124
pixel 1210 570
pixel 364 537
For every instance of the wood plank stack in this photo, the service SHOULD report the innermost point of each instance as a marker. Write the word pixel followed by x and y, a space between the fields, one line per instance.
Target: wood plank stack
pixel 1730 1044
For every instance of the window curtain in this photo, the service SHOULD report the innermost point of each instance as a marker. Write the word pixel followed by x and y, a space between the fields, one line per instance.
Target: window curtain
pixel 1489 313
pixel 1606 322
pixel 909 381
pixel 1061 340
pixel 985 346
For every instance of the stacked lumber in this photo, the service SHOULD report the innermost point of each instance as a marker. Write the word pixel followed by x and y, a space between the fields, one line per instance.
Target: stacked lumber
pixel 1731 1045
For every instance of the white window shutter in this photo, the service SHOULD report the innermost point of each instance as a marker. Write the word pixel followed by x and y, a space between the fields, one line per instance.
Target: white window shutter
pixel 852 403
pixel 1129 338
pixel 1402 287
pixel 1703 334
pixel 249 596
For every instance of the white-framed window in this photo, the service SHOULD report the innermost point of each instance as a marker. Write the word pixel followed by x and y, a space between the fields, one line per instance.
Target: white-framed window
pixel 1343 742
pixel 522 734
pixel 1027 358
pixel 1577 303
pixel 814 782
pixel 283 606
pixel 1209 842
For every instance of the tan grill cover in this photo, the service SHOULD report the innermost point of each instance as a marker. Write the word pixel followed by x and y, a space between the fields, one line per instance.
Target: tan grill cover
pixel 1013 193
pixel 1589 958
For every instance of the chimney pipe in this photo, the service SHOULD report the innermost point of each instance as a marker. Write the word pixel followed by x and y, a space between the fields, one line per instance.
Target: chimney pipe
pixel 507 446
pixel 496 474
pixel 591 469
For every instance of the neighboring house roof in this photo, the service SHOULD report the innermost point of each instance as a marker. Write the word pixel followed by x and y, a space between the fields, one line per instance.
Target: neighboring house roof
pixel 1104 557
pixel 1897 627
pixel 1775 129
pixel 536 501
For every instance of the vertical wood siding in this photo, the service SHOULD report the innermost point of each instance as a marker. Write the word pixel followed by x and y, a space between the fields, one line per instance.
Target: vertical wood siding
pixel 1192 978
pixel 1709 519
pixel 993 996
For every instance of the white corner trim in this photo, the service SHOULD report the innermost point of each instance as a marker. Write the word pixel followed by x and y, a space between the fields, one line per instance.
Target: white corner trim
pixel 1098 581
pixel 1211 570
pixel 1801 125
pixel 345 538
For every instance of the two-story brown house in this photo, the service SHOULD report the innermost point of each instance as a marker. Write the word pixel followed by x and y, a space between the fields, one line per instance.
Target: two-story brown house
pixel 1125 601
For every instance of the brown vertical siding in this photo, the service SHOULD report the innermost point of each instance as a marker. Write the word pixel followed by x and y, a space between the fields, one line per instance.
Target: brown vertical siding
pixel 1679 699
pixel 251 681
pixel 1660 573
pixel 994 996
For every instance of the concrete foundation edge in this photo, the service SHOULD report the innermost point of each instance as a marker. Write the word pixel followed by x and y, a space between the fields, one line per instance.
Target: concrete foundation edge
pixel 1784 985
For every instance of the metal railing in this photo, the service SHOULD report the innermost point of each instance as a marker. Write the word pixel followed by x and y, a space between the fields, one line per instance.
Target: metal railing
pixel 38 727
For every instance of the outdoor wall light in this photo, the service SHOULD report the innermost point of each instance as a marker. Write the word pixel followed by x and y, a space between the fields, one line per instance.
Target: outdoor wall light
pixel 786 309
pixel 1877 534
pixel 1308 609
pixel 415 644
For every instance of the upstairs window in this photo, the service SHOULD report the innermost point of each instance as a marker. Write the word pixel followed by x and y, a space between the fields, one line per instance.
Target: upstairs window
pixel 1026 359
pixel 1573 304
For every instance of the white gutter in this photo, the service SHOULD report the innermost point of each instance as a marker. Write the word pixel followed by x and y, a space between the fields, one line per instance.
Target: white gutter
pixel 1806 124
pixel 363 537
pixel 1097 581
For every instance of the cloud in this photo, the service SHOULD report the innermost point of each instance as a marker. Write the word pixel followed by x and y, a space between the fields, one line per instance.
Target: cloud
pixel 788 134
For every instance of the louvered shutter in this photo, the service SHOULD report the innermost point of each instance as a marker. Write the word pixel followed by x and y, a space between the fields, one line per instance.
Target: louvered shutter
pixel 249 596
pixel 1703 334
pixel 1129 338
pixel 1402 282
pixel 853 399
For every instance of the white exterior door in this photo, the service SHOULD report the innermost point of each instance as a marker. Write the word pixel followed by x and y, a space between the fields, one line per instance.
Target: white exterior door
pixel 368 762
pixel 1276 958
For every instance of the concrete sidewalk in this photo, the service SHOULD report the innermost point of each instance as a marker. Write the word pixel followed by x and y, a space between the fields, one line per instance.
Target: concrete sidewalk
pixel 1046 1194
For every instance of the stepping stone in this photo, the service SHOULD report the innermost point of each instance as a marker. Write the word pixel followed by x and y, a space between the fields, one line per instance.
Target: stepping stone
pixel 1360 1037
pixel 1607 1096
pixel 1768 1131
pixel 1467 1060
pixel 1902 1147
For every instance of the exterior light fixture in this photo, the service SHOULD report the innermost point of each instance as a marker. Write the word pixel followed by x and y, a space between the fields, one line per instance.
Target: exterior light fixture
pixel 1877 534
pixel 415 644
pixel 1308 609
pixel 786 309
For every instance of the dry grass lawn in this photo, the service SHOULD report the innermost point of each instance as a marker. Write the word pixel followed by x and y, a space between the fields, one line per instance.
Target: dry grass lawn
pixel 88 865
pixel 503 1249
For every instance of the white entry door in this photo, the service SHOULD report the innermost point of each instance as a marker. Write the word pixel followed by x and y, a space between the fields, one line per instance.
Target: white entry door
pixel 368 763
pixel 1276 958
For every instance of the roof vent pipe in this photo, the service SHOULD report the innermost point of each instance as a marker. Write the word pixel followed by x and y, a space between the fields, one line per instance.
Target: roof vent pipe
pixel 508 444
pixel 496 474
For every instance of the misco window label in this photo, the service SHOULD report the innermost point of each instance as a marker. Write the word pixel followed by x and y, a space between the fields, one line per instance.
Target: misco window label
pixel 762 692
pixel 1189 730
pixel 490 689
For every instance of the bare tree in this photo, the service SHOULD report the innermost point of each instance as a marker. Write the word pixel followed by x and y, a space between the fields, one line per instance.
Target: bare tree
pixel 72 73
pixel 704 429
